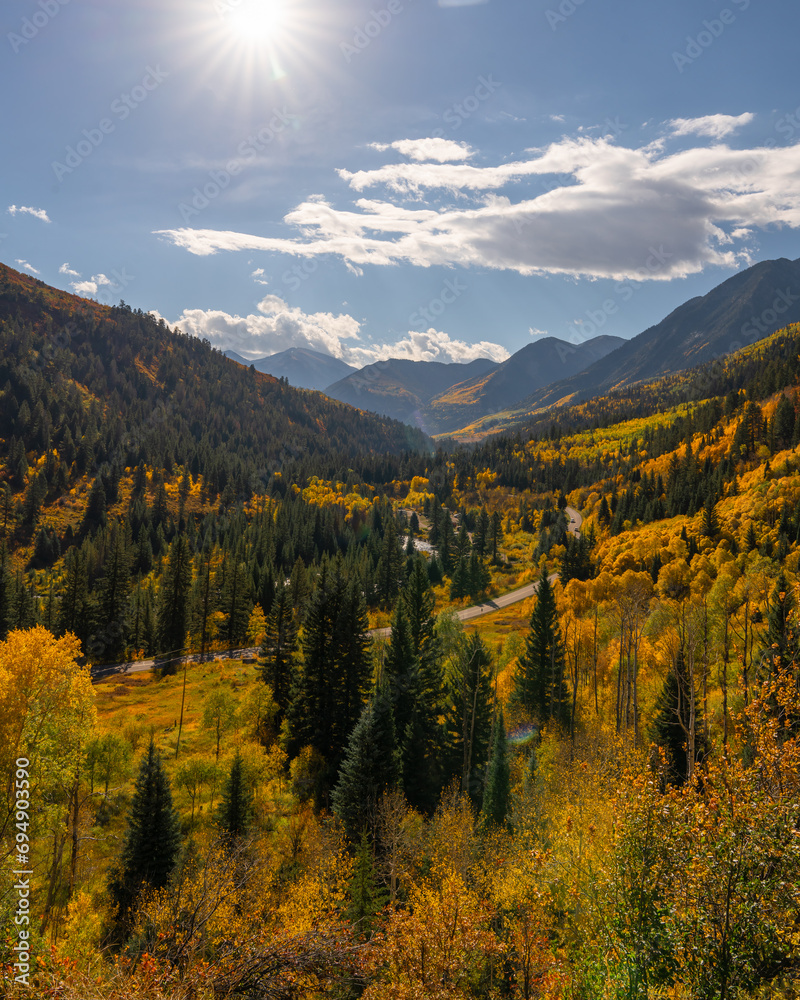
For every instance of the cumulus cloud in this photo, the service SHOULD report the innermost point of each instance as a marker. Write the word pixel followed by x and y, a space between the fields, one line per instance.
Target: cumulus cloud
pixel 715 126
pixel 66 269
pixel 277 326
pixel 91 285
pixel 428 345
pixel 37 213
pixel 584 207
pixel 441 150
pixel 26 266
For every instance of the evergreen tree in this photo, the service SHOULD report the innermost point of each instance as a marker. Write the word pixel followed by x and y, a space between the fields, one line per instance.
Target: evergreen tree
pixel 173 599
pixel 400 676
pixel 236 810
pixel 422 767
pixel 279 649
pixel 783 642
pixel 468 716
pixel 367 897
pixel 710 520
pixel 671 723
pixel 540 684
pixel 495 535
pixel 152 841
pixel 497 796
pixel 113 593
pixel 369 769
pixel 390 565
pixel 328 698
pixel 236 602
pixel 5 591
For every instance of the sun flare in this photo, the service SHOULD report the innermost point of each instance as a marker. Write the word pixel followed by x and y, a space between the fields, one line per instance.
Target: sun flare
pixel 256 21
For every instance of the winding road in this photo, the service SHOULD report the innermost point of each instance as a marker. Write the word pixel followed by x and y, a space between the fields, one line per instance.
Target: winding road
pixel 464 615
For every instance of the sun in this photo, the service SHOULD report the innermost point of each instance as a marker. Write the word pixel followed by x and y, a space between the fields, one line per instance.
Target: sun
pixel 255 22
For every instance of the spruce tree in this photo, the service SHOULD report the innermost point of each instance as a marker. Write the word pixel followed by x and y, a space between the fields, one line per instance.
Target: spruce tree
pixel 367 897
pixel 279 649
pixel 152 841
pixel 370 767
pixel 540 684
pixel 671 722
pixel 236 809
pixel 173 599
pixel 422 765
pixel 497 796
pixel 468 716
pixel 329 694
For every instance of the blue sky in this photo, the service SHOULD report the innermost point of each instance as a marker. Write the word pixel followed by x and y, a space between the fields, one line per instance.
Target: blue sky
pixel 432 179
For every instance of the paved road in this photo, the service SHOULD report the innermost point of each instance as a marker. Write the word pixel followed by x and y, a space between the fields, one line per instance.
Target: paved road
pixel 465 615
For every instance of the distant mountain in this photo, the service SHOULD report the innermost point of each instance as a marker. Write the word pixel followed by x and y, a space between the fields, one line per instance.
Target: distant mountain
pixel 110 387
pixel 747 307
pixel 300 367
pixel 401 389
pixel 534 366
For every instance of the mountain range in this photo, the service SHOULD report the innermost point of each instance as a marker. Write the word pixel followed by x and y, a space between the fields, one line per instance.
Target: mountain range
pixel 482 395
pixel 301 367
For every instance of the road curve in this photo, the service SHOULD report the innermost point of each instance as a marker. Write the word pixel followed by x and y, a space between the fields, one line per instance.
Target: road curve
pixel 465 615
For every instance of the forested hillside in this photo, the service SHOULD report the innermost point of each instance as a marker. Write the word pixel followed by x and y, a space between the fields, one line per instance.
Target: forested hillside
pixel 594 792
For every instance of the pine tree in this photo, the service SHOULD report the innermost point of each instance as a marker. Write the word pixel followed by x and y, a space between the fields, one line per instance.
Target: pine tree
pixel 540 684
pixel 173 600
pixel 369 769
pixel 236 810
pixel 152 841
pixel 279 649
pixel 497 796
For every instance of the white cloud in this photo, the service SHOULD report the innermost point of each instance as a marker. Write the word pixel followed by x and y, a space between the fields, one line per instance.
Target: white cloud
pixel 440 150
pixel 591 208
pixel 532 330
pixel 66 269
pixel 90 286
pixel 27 267
pixel 258 276
pixel 428 345
pixel 715 126
pixel 37 213
pixel 277 326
